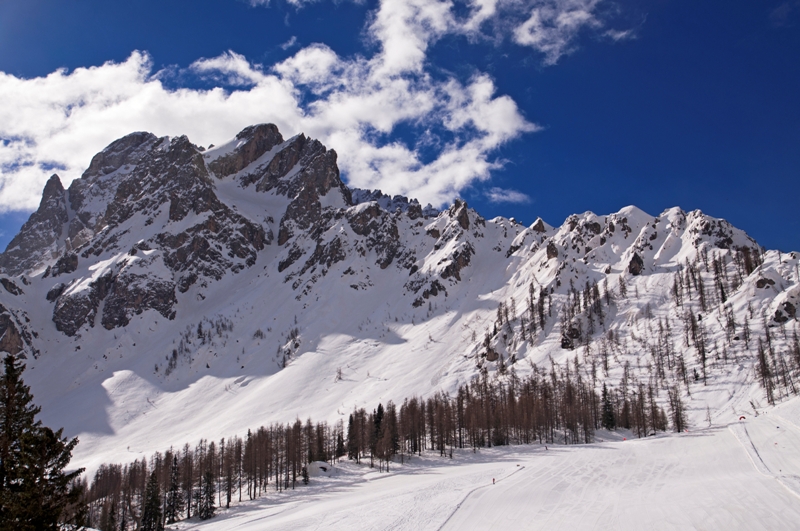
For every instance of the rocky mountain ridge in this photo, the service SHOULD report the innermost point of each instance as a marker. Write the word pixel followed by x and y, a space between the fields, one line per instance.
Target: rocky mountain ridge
pixel 167 268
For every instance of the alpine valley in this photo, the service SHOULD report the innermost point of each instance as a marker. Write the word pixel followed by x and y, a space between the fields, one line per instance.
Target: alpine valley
pixel 174 293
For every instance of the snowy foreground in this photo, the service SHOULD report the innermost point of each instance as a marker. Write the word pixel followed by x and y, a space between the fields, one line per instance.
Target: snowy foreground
pixel 740 476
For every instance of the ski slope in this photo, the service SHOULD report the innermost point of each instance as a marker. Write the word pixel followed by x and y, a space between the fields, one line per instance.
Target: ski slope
pixel 738 476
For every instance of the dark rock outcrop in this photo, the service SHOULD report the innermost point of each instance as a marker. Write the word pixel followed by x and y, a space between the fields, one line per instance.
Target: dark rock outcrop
pixel 762 283
pixel 257 140
pixel 10 339
pixel 125 151
pixel 552 251
pixel 460 212
pixel 38 238
pixel 636 265
pixel 66 264
pixel 379 228
pixel 459 261
pixel 74 310
pixel 10 287
pixel 56 291
pixel 132 294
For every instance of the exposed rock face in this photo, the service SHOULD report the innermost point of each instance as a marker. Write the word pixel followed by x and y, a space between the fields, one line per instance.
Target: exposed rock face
pixel 137 182
pixel 318 176
pixel 11 287
pixel 15 338
pixel 128 150
pixel 636 265
pixel 762 283
pixel 55 292
pixel 393 203
pixel 132 294
pixel 37 239
pixel 380 230
pixel 569 336
pixel 256 140
pixel 460 260
pixel 552 251
pixel 459 212
pixel 10 339
pixel 66 264
pixel 75 309
pixel 786 312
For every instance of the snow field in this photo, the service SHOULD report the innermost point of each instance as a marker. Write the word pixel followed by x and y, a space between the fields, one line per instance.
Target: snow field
pixel 705 479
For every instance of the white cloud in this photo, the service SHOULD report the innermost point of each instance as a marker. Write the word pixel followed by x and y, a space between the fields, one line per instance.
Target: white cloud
pixel 620 35
pixel 500 195
pixel 481 11
pixel 350 104
pixel 316 66
pixel 289 43
pixel 553 26
pixel 230 69
pixel 353 104
pixel 405 29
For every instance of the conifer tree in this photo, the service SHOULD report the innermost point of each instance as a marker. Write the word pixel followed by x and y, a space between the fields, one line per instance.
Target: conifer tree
pixel 174 500
pixel 340 451
pixel 111 522
pixel 352 440
pixel 34 489
pixel 677 409
pixel 206 506
pixel 151 513
pixel 608 421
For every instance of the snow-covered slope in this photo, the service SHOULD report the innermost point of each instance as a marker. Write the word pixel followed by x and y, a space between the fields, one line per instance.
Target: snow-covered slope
pixel 741 476
pixel 173 293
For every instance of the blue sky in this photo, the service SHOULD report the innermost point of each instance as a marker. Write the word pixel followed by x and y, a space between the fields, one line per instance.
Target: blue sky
pixel 526 108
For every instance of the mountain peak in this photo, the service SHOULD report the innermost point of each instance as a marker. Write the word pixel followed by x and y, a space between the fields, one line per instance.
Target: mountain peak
pixel 39 236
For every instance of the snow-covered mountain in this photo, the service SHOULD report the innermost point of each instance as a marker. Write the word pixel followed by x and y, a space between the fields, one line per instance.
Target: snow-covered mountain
pixel 174 293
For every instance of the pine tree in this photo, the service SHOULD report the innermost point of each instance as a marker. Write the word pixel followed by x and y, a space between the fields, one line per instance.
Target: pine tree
pixel 340 451
pixel 108 518
pixel 352 440
pixel 206 507
pixel 151 513
pixel 608 421
pixel 677 409
pixel 765 372
pixel 174 502
pixel 34 489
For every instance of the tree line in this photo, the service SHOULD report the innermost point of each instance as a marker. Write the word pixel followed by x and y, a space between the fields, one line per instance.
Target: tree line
pixel 549 406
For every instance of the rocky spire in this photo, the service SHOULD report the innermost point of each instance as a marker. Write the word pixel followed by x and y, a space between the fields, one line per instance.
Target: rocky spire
pixel 39 235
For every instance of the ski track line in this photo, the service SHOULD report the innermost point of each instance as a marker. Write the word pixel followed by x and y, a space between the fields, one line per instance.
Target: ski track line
pixel 468 494
pixel 763 469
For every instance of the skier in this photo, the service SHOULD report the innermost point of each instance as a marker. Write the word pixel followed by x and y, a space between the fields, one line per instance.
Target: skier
pixel 492 481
